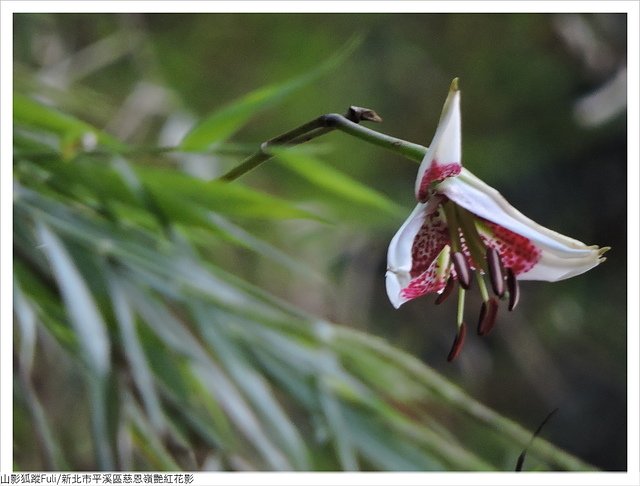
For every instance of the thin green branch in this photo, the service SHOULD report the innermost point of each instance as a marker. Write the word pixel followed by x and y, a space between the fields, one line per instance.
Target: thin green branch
pixel 324 124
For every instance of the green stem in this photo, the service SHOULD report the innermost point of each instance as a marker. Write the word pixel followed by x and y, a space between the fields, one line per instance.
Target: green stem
pixel 323 125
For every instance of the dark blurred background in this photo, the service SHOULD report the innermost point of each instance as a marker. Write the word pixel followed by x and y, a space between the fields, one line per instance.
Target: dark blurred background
pixel 544 121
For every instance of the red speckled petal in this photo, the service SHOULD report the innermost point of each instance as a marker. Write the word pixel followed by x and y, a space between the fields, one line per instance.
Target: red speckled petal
pixel 516 252
pixel 427 272
pixel 436 173
pixel 432 280
pixel 428 243
pixel 535 252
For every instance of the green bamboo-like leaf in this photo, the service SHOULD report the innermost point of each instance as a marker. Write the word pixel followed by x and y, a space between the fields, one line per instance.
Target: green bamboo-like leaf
pixel 30 113
pixel 339 429
pixel 135 354
pixel 83 311
pixel 254 387
pixel 92 337
pixel 335 182
pixel 379 446
pixel 221 124
pixel 27 321
pixel 174 334
pixel 231 199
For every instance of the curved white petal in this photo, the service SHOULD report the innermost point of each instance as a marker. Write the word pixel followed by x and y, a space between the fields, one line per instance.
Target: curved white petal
pixel 399 260
pixel 444 155
pixel 562 257
pixel 400 285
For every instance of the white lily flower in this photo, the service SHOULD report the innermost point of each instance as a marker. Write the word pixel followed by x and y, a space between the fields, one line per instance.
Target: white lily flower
pixel 462 226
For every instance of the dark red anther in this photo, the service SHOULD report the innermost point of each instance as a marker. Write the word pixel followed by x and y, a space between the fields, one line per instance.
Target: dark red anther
pixel 458 342
pixel 514 289
pixel 488 313
pixel 462 269
pixel 495 271
pixel 451 283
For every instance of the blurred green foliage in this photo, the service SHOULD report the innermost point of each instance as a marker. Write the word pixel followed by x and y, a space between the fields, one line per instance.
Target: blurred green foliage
pixel 214 302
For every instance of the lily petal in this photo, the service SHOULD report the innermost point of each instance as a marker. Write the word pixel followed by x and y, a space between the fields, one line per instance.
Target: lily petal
pixel 418 256
pixel 560 257
pixel 444 155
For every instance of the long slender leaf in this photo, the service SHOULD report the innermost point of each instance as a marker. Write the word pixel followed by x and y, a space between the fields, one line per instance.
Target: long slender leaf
pixel 83 312
pixel 135 354
pixel 221 124
pixel 335 182
pixel 255 388
pixel 31 113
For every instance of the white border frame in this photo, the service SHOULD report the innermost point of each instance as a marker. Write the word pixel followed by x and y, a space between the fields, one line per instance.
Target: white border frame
pixel 632 8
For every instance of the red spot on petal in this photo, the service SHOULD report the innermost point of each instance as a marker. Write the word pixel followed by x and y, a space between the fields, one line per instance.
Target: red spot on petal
pixel 436 173
pixel 428 243
pixel 516 251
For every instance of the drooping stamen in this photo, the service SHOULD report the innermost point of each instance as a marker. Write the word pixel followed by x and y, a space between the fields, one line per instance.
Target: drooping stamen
pixel 514 289
pixel 451 283
pixel 495 271
pixel 458 342
pixel 488 313
pixel 462 269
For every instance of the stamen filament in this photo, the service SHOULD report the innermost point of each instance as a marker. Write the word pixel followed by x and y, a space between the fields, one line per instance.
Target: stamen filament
pixel 460 316
pixel 471 236
pixel 452 226
pixel 483 288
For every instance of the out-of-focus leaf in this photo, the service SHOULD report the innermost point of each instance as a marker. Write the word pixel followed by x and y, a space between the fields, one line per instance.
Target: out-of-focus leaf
pixel 92 336
pixel 26 318
pixel 339 429
pixel 30 113
pixel 381 447
pixel 83 312
pixel 231 199
pixel 145 437
pixel 135 354
pixel 176 336
pixel 221 124
pixel 334 182
pixel 254 387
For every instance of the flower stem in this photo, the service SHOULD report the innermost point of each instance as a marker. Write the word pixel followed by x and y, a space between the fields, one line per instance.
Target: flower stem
pixel 324 124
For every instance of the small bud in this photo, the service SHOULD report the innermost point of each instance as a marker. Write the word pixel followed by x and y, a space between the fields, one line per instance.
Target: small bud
pixel 495 271
pixel 514 289
pixel 488 313
pixel 458 342
pixel 357 114
pixel 462 269
pixel 451 283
